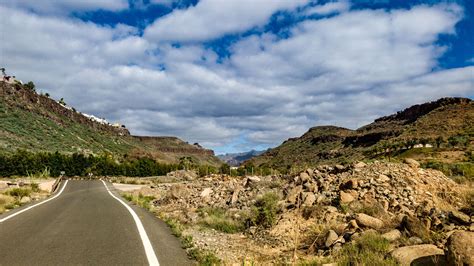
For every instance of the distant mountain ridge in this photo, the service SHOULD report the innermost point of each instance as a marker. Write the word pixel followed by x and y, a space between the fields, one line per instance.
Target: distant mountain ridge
pixel 235 159
pixel 35 122
pixel 447 123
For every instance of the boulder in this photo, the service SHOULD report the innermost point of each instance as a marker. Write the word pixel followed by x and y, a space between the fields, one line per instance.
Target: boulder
pixel 369 221
pixel 460 248
pixel 206 192
pixel 311 187
pixel 253 179
pixel 331 237
pixel 178 191
pixel 411 162
pixel 293 194
pixel 25 200
pixel 359 165
pixel 383 178
pixel 308 198
pixel 235 196
pixel 460 218
pixel 304 177
pixel 392 235
pixel 426 254
pixel 346 197
pixel 349 184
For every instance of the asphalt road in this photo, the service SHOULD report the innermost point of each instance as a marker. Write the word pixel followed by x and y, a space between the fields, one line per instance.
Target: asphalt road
pixel 85 225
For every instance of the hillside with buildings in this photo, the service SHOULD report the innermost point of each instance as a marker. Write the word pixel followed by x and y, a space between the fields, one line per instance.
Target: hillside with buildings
pixel 37 123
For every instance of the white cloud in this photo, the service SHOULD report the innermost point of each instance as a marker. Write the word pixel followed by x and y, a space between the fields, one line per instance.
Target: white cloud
pixel 329 8
pixel 344 70
pixel 66 6
pixel 210 19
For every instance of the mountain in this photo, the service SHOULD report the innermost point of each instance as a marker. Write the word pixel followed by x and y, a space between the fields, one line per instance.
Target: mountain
pixel 235 159
pixel 444 128
pixel 35 122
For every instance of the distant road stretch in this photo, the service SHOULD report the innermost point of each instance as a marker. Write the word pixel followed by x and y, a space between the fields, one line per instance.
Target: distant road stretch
pixel 86 223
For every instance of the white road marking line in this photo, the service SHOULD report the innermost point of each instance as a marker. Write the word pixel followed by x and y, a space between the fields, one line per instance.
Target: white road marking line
pixel 37 204
pixel 150 253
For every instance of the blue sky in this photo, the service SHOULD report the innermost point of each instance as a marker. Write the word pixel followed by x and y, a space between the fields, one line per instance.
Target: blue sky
pixel 236 75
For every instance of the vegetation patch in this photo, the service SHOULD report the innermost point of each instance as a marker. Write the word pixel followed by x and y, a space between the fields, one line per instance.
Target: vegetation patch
pixel 265 210
pixel 216 218
pixel 140 200
pixel 369 249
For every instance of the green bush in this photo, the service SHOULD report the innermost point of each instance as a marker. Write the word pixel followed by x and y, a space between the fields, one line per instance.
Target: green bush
pixel 19 193
pixel 35 187
pixel 216 218
pixel 265 210
pixel 204 257
pixel 369 249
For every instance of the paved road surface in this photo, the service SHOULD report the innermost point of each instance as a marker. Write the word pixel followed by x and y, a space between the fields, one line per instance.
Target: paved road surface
pixel 85 225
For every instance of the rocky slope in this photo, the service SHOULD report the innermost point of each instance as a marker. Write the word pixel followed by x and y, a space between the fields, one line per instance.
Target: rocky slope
pixel 36 122
pixel 324 214
pixel 445 126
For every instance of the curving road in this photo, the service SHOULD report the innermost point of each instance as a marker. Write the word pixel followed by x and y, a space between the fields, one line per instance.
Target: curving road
pixel 88 225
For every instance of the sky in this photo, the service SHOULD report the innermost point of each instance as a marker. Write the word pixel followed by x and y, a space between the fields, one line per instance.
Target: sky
pixel 236 75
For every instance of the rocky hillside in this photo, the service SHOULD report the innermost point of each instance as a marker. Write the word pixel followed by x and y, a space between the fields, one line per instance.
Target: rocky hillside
pixel 369 214
pixel 441 131
pixel 36 122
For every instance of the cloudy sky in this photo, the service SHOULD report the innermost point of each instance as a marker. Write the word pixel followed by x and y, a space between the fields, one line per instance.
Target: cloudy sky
pixel 236 75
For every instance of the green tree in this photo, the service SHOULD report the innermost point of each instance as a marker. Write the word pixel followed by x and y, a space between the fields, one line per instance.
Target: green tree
pixel 30 86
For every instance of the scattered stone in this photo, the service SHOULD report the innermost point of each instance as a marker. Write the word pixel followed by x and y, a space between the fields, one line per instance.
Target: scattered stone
pixel 331 237
pixel 349 184
pixel 206 192
pixel 369 221
pixel 411 162
pixel 346 197
pixel 235 196
pixel 309 199
pixel 254 179
pixel 413 255
pixel 304 177
pixel 25 200
pixel 392 235
pixel 460 218
pixel 460 248
pixel 359 165
pixel 383 178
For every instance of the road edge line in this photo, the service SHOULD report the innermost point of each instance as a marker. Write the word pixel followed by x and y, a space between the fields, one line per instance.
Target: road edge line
pixel 149 251
pixel 37 204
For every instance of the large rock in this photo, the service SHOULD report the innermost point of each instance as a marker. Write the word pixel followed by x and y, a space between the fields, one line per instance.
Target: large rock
pixel 411 162
pixel 369 221
pixel 392 235
pixel 346 197
pixel 293 194
pixel 359 165
pixel 331 237
pixel 308 198
pixel 349 184
pixel 304 177
pixel 178 191
pixel 460 218
pixel 460 248
pixel 206 192
pixel 426 254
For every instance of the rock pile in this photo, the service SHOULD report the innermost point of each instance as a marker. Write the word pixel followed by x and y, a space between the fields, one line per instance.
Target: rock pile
pixel 417 210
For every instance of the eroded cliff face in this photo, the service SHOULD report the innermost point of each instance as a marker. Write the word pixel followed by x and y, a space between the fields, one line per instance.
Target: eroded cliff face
pixel 35 122
pixel 432 123
pixel 17 96
pixel 173 145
